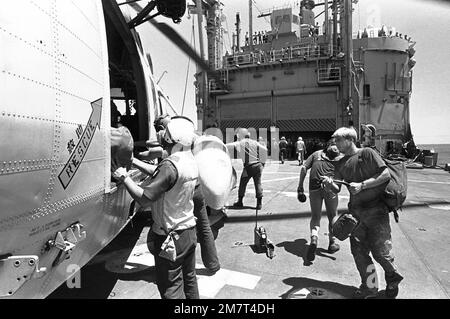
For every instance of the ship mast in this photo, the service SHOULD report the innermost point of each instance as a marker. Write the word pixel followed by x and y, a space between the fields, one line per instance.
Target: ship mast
pixel 250 24
pixel 350 105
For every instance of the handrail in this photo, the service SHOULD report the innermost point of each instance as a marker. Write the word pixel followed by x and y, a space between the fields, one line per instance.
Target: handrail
pixel 296 52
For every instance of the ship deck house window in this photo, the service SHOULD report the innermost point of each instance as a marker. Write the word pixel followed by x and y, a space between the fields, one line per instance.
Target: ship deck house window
pixel 366 90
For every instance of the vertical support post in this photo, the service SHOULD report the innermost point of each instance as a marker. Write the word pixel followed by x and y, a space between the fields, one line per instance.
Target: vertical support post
pixel 326 22
pixel 335 30
pixel 238 32
pixel 250 24
pixel 351 104
pixel 203 82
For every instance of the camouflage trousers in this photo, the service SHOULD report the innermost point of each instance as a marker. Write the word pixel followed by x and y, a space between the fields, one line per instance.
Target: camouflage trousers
pixel 372 235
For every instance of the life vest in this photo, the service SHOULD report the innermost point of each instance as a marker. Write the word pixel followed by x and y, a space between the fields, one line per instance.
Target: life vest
pixel 174 210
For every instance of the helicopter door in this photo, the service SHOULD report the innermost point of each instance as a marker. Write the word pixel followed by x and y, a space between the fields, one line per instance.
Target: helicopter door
pixel 129 93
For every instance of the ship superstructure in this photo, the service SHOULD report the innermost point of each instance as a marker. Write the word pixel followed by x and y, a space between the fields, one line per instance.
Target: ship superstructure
pixel 304 79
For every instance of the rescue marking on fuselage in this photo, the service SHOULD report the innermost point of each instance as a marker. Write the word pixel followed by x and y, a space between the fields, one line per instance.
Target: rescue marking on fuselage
pixel 77 156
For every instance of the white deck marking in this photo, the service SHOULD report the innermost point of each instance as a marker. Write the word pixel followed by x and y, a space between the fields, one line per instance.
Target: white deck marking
pixel 209 286
pixel 279 179
pixel 141 255
pixel 289 194
pixel 119 262
pixel 275 172
pixel 429 182
pixel 440 206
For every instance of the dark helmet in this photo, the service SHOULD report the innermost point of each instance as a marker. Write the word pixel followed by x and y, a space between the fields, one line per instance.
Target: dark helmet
pixel 331 149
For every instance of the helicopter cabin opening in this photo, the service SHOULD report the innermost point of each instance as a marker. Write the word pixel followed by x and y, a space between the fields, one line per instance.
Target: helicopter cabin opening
pixel 129 97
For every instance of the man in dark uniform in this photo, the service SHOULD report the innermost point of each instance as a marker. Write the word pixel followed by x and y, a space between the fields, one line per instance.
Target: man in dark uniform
pixel 251 153
pixel 321 163
pixel 367 174
pixel 283 145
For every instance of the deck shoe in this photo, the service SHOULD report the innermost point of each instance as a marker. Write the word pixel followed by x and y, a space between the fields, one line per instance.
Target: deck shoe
pixel 364 292
pixel 211 272
pixel 238 204
pixel 311 253
pixel 392 281
pixel 333 247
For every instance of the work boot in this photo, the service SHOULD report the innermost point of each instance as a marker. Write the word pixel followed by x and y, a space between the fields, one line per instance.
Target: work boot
pixel 211 272
pixel 311 253
pixel 239 203
pixel 259 203
pixel 333 246
pixel 364 292
pixel 392 281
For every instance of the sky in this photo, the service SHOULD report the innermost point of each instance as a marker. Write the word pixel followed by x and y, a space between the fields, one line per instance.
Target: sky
pixel 426 21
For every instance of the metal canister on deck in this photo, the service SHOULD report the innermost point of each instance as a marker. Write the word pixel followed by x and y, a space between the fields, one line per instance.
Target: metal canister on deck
pixel 428 161
pixel 435 158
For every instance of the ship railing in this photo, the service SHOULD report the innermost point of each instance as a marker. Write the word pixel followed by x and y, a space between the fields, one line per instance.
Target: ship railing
pixel 277 55
pixel 300 52
pixel 239 59
pixel 305 52
pixel 329 75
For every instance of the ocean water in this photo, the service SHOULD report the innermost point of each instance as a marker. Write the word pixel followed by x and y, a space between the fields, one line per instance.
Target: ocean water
pixel 443 151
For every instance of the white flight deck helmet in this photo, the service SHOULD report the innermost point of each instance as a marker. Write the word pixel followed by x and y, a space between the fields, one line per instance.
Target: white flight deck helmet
pixel 180 130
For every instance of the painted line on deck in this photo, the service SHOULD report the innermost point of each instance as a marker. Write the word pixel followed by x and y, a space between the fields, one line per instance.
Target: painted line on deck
pixel 440 206
pixel 279 179
pixel 429 182
pixel 140 258
pixel 289 194
pixel 209 286
pixel 288 173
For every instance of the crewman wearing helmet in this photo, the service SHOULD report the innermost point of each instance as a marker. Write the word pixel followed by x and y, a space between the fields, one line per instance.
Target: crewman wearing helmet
pixel 252 154
pixel 205 234
pixel 170 194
